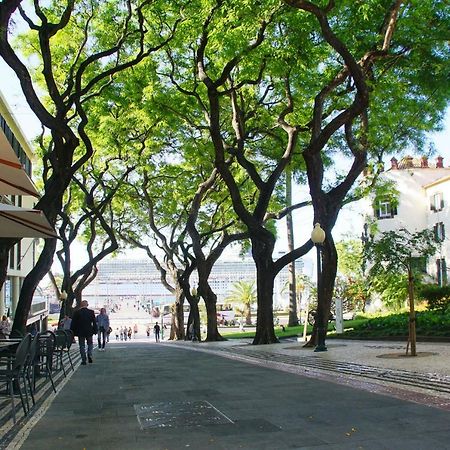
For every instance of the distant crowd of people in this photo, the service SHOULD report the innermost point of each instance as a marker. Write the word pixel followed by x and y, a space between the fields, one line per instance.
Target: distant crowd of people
pixel 126 333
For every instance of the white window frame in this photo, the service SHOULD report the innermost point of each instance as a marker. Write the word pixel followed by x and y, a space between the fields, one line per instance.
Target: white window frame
pixel 437 202
pixel 384 209
pixel 439 231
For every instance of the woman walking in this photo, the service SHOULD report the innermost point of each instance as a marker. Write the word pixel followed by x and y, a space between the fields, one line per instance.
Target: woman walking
pixel 103 327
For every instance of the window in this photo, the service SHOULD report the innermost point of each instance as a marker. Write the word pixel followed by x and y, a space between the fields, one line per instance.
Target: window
pixel 437 202
pixel 19 255
pixel 419 264
pixel 441 269
pixel 385 209
pixel 12 258
pixel 439 232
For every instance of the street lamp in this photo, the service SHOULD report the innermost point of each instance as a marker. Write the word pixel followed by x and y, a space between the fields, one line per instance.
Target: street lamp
pixel 365 241
pixel 318 238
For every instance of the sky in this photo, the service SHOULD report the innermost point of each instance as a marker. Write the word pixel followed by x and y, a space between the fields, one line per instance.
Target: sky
pixel 350 219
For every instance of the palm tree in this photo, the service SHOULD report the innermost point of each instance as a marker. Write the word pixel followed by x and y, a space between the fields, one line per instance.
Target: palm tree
pixel 243 296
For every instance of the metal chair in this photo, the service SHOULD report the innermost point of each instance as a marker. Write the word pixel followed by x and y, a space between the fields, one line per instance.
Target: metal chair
pixel 44 361
pixel 15 373
pixel 31 365
pixel 70 340
pixel 60 346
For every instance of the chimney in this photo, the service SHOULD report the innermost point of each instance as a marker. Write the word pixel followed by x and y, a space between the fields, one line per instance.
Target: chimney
pixel 439 162
pixel 409 162
pixel 424 162
pixel 394 164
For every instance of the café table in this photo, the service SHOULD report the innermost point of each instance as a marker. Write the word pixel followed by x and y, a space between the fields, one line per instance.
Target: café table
pixel 7 345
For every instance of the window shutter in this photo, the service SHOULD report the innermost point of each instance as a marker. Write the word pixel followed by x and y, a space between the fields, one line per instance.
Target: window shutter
pixel 393 210
pixel 432 208
pixel 435 233
pixel 443 230
pixel 442 202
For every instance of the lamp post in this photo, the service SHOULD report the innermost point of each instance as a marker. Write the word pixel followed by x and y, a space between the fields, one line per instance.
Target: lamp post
pixel 318 238
pixel 364 241
pixel 193 330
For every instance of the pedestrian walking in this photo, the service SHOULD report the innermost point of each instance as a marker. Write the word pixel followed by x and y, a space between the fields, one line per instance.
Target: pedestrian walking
pixel 135 330
pixel 103 327
pixel 84 326
pixel 5 327
pixel 117 333
pixel 65 323
pixel 129 333
pixel 156 330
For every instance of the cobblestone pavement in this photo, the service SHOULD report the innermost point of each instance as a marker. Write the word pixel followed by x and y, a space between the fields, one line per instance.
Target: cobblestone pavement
pixel 232 395
pixel 376 366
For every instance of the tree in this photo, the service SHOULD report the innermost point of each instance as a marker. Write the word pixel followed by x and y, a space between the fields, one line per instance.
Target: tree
pixel 373 55
pixel 87 210
pixel 206 254
pixel 73 50
pixel 399 252
pixel 166 230
pixel 243 295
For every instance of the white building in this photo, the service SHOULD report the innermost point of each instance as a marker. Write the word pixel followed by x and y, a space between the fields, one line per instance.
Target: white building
pixel 423 202
pixel 15 186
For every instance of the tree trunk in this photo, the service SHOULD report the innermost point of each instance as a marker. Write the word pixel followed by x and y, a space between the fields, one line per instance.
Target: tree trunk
pixel 210 299
pixel 248 314
pixel 262 249
pixel 412 315
pixel 177 322
pixel 293 317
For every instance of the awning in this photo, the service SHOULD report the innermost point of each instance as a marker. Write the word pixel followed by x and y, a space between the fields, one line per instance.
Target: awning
pixel 13 178
pixel 17 222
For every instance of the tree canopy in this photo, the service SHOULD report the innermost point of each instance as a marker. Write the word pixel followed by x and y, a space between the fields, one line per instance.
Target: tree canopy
pixel 183 90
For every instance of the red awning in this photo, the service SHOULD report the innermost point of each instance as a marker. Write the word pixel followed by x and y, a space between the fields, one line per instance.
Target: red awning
pixel 13 178
pixel 17 222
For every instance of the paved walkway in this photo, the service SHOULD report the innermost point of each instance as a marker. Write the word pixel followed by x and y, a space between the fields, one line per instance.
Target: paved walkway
pixel 231 395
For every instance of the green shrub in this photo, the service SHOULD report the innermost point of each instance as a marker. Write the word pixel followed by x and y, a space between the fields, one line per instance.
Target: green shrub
pixel 438 297
pixel 428 323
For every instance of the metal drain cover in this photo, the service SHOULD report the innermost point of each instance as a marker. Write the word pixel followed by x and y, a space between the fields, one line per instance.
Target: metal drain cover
pixel 178 414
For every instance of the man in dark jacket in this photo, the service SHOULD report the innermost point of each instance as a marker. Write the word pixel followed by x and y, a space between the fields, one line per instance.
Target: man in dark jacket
pixel 84 326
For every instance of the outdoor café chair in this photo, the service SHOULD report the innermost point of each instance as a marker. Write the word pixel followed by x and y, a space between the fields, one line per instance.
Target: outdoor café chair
pixel 60 346
pixel 44 361
pixel 31 365
pixel 69 342
pixel 15 373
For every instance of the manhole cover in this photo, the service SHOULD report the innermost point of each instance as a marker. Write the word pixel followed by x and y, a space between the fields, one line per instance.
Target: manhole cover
pixel 178 414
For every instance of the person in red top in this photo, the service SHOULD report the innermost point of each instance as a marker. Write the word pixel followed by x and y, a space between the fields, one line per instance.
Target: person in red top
pixel 84 326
